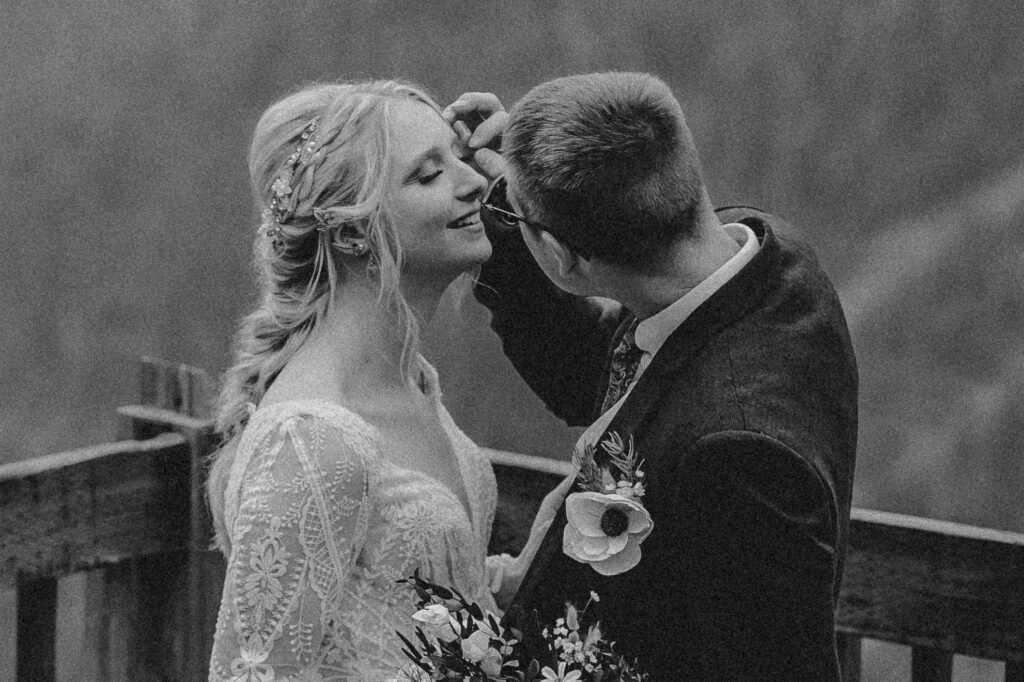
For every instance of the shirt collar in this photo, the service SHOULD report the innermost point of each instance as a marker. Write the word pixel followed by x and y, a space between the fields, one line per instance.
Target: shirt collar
pixel 652 332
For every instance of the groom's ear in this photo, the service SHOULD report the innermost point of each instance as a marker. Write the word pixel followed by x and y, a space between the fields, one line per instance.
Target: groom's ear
pixel 567 260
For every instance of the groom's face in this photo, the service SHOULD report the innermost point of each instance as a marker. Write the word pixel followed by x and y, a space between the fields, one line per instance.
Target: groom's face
pixel 557 262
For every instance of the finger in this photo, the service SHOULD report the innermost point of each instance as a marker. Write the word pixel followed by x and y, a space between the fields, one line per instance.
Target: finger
pixel 490 163
pixel 462 131
pixel 489 132
pixel 482 104
pixel 462 135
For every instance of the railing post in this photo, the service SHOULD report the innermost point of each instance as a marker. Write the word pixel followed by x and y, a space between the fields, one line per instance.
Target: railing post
pixel 178 398
pixel 37 629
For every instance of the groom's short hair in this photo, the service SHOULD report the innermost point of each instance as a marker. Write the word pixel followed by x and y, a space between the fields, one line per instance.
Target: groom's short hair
pixel 606 160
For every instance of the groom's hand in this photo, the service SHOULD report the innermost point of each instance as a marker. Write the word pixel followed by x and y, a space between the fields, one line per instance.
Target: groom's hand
pixel 479 120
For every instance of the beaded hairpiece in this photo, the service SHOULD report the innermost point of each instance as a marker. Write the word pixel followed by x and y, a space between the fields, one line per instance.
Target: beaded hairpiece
pixel 282 203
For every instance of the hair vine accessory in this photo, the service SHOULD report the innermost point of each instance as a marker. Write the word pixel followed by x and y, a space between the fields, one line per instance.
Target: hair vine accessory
pixel 282 200
pixel 326 219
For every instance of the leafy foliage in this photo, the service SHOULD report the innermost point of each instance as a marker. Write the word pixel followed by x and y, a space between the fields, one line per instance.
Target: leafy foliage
pixel 475 647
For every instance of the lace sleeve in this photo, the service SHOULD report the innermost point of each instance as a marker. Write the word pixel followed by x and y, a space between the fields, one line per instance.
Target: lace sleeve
pixel 301 523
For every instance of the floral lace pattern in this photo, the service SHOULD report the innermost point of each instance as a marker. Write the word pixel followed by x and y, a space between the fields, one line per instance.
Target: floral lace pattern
pixel 321 525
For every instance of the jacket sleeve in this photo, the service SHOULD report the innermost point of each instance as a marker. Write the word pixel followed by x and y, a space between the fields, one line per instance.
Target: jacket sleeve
pixel 755 552
pixel 557 342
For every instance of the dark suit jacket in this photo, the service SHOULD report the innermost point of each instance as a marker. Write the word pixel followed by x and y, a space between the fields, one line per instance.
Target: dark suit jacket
pixel 747 419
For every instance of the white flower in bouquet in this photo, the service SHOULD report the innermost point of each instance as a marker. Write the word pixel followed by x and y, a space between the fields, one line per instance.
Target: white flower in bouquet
pixel 492 662
pixel 475 646
pixel 437 620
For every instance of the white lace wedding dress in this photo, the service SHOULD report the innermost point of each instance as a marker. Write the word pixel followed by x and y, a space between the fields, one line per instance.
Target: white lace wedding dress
pixel 321 526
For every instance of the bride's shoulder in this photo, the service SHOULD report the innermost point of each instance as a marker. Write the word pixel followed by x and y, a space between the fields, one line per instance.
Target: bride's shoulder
pixel 322 424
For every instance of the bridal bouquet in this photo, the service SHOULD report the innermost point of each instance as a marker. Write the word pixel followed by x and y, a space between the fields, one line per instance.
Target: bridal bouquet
pixel 457 641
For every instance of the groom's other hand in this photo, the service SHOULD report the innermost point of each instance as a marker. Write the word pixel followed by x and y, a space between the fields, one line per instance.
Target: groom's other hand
pixel 479 119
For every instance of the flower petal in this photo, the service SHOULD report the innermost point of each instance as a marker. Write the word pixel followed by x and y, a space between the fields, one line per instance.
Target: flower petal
pixel 617 543
pixel 596 548
pixel 639 521
pixel 621 562
pixel 571 539
pixel 584 512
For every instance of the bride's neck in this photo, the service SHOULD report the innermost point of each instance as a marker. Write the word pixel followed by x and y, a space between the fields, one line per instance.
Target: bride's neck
pixel 357 348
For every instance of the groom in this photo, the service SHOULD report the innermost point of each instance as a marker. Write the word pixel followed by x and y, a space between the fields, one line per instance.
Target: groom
pixel 728 363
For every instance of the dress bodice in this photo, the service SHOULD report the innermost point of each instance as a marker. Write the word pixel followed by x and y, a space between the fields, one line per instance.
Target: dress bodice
pixel 321 524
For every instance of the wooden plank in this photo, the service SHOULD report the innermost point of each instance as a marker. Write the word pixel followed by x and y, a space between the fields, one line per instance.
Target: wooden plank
pixel 37 629
pixel 930 665
pixel 97 505
pixel 934 584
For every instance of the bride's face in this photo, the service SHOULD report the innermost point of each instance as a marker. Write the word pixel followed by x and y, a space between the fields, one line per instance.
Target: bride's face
pixel 434 196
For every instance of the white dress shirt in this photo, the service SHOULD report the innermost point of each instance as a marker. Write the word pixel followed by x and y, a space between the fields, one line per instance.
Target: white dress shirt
pixel 652 332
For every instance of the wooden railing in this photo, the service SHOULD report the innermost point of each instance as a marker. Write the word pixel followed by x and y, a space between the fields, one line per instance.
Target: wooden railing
pixel 106 547
pixel 105 550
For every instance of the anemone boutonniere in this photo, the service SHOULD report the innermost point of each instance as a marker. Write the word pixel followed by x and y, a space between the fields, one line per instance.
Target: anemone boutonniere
pixel 607 521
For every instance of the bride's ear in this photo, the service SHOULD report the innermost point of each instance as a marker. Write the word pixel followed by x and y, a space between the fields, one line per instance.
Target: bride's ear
pixel 351 240
pixel 346 235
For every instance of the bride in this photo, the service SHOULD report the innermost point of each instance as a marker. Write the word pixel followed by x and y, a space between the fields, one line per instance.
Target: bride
pixel 342 471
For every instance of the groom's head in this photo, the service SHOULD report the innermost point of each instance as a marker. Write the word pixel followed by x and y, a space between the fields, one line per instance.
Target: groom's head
pixel 606 162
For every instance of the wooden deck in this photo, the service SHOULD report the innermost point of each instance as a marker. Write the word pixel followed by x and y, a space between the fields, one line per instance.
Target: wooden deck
pixel 124 527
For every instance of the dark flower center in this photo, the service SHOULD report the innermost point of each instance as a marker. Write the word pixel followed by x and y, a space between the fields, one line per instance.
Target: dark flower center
pixel 614 523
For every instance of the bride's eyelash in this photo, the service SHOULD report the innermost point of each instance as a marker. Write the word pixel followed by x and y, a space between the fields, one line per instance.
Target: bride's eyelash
pixel 429 177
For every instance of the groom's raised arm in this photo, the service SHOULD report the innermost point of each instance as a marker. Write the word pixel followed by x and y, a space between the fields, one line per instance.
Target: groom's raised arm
pixel 558 343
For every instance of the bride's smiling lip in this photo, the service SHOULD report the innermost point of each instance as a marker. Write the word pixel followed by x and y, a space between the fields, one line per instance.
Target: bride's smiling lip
pixel 467 220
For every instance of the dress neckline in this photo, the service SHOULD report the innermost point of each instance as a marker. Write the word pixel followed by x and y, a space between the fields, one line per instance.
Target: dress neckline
pixel 276 412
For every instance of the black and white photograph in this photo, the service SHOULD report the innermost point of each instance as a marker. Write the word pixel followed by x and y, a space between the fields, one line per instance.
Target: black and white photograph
pixel 522 341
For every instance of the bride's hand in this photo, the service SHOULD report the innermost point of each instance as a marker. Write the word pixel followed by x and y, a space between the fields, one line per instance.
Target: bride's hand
pixel 513 570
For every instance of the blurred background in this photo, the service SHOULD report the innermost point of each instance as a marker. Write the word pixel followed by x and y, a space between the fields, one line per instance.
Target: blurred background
pixel 888 132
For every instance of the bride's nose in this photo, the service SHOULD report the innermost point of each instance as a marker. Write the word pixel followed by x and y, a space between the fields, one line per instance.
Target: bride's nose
pixel 472 184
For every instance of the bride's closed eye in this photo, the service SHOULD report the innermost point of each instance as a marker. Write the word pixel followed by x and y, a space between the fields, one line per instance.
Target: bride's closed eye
pixel 427 178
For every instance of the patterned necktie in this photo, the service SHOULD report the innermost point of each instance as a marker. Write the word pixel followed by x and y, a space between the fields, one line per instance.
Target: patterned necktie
pixel 625 359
